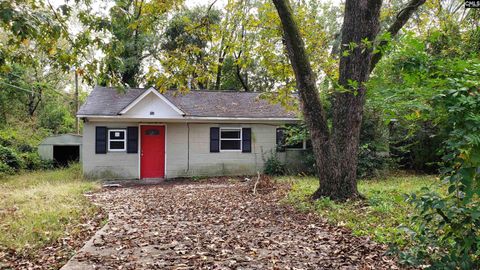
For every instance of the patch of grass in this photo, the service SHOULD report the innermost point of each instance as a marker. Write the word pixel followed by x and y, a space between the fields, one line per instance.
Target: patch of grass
pixel 378 217
pixel 39 208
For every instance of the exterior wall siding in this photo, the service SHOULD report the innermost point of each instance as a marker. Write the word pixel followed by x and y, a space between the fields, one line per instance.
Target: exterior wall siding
pixel 195 159
pixel 45 151
pixel 109 165
pixel 187 152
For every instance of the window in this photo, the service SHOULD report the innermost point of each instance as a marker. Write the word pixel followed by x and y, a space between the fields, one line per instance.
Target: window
pixel 152 132
pixel 116 140
pixel 282 144
pixel 230 139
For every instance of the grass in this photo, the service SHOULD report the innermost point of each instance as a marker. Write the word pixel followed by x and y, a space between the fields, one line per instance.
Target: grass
pixel 378 217
pixel 39 208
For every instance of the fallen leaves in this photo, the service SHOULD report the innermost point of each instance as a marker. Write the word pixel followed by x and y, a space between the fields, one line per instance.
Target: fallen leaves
pixel 57 253
pixel 220 226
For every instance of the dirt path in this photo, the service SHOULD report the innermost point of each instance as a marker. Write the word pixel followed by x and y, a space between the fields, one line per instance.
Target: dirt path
pixel 217 226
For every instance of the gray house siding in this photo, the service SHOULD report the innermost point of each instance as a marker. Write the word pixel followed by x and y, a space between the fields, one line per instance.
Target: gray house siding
pixel 187 152
pixel 111 164
pixel 195 159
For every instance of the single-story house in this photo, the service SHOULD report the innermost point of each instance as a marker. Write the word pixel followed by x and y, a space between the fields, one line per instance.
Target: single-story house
pixel 143 133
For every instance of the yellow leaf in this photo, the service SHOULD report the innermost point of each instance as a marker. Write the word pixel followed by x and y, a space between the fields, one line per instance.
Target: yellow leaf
pixel 52 51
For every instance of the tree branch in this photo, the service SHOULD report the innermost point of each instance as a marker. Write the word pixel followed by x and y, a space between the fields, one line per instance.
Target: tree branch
pixel 402 18
pixel 312 108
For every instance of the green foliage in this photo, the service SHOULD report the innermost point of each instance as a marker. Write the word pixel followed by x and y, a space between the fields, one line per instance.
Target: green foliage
pixel 56 118
pixel 273 166
pixel 10 158
pixel 402 89
pixel 5 170
pixel 32 162
pixel 19 143
pixel 371 163
pixel 445 228
pixel 373 156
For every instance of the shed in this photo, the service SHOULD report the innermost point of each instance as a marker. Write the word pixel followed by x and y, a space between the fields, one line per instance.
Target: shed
pixel 62 148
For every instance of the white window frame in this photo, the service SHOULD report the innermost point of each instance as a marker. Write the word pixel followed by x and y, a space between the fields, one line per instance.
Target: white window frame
pixel 124 140
pixel 230 139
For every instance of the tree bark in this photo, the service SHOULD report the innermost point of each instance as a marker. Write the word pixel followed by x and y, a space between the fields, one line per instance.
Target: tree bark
pixel 361 22
pixel 313 111
pixel 336 150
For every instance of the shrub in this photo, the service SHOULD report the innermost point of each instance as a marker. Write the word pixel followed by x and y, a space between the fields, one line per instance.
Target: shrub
pixel 32 161
pixel 10 158
pixel 273 166
pixel 370 162
pixel 309 165
pixel 445 229
pixel 5 169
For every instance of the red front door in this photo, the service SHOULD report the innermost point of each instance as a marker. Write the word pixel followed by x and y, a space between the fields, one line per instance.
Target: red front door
pixel 152 155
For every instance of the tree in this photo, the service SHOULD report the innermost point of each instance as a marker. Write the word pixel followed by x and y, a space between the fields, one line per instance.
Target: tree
pixel 134 29
pixel 189 36
pixel 336 148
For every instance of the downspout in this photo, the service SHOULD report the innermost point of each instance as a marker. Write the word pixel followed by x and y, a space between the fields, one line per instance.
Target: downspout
pixel 188 147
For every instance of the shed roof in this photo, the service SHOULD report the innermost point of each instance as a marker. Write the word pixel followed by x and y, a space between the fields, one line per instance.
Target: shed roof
pixel 63 139
pixel 107 101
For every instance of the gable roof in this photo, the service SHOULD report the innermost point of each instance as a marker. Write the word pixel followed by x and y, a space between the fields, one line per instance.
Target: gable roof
pixel 153 92
pixel 107 101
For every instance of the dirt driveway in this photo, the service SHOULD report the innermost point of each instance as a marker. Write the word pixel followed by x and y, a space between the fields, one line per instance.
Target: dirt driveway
pixel 218 226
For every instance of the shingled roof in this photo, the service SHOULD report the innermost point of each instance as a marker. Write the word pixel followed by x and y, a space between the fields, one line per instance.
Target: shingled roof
pixel 107 101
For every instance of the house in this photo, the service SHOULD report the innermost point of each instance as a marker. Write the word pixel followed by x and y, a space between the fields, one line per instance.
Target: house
pixel 146 134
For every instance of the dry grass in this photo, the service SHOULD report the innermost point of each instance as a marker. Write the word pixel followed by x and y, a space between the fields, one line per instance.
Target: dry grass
pixel 38 208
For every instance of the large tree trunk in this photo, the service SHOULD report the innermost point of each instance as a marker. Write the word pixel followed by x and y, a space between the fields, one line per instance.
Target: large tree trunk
pixel 336 151
pixel 361 22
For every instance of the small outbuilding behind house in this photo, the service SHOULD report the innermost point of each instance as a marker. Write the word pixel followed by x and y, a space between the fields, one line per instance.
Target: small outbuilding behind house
pixel 62 149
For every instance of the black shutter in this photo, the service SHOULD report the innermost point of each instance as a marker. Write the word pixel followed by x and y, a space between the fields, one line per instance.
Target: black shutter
pixel 246 140
pixel 100 140
pixel 214 140
pixel 280 139
pixel 132 139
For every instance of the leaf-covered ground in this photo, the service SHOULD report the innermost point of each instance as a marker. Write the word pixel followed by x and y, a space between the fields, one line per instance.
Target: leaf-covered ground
pixel 219 226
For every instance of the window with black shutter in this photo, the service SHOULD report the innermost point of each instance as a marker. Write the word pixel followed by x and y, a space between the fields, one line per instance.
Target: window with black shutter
pixel 100 140
pixel 214 139
pixel 246 140
pixel 280 139
pixel 132 140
